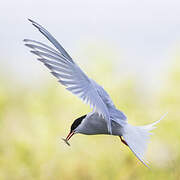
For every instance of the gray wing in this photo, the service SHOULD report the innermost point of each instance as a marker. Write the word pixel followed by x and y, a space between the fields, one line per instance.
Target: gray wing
pixel 115 114
pixel 69 74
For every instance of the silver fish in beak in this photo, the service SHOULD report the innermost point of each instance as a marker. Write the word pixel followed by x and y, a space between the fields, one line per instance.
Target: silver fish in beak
pixel 68 137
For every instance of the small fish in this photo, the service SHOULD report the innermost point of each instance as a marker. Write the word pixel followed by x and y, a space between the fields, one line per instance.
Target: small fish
pixel 66 141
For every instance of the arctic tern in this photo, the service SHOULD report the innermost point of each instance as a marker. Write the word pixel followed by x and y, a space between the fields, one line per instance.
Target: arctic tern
pixel 105 117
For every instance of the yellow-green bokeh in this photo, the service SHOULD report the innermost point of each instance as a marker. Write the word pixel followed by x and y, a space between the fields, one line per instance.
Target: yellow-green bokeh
pixel 32 122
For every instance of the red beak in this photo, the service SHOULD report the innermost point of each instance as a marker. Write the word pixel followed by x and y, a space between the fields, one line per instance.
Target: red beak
pixel 69 135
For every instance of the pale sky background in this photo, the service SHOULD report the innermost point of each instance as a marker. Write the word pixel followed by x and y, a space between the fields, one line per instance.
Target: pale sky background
pixel 144 35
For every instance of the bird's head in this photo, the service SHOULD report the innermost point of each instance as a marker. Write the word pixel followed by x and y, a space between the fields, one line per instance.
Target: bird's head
pixel 74 127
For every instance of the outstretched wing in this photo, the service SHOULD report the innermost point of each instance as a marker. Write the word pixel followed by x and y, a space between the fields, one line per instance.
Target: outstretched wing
pixel 68 73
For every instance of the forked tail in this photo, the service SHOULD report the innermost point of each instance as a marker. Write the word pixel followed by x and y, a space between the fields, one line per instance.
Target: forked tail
pixel 137 138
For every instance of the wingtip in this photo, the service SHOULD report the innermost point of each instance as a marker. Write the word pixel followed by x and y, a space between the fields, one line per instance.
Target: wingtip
pixel 30 20
pixel 29 45
pixel 27 40
pixel 33 23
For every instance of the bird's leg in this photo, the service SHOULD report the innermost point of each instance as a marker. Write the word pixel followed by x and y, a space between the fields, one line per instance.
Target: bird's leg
pixel 123 141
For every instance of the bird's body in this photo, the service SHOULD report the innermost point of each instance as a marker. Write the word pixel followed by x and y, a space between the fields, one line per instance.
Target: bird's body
pixel 94 124
pixel 105 117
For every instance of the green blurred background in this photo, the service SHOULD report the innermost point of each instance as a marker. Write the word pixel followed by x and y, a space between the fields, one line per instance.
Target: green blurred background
pixel 132 51
pixel 32 122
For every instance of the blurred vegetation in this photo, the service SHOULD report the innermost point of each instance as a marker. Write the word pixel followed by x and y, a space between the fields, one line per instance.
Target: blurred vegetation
pixel 32 122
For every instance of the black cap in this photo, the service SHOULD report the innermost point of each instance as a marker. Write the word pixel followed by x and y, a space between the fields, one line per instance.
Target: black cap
pixel 77 122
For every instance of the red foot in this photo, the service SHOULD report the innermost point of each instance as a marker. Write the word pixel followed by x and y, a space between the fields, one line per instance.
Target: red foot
pixel 123 141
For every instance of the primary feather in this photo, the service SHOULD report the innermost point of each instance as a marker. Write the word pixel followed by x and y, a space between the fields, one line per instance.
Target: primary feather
pixel 70 75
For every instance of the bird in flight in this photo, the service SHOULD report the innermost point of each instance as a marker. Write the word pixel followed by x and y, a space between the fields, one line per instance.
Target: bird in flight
pixel 105 118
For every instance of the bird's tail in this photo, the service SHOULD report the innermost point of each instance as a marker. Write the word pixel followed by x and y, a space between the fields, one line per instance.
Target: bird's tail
pixel 137 138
